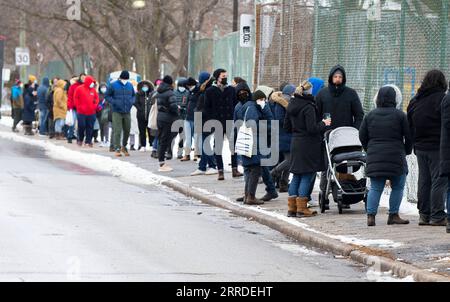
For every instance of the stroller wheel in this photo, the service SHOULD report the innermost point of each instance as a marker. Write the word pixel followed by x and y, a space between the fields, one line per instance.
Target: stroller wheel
pixel 340 206
pixel 322 202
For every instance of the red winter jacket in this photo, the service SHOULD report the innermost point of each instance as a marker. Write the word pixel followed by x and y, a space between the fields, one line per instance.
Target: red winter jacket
pixel 70 95
pixel 86 99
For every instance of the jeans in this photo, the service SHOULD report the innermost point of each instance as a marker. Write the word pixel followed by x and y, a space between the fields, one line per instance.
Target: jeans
pixel 268 181
pixel 206 159
pixel 218 145
pixel 59 124
pixel 300 184
pixel 377 185
pixel 189 134
pixel 43 116
pixel 432 187
pixel 71 130
pixel 86 127
pixel 121 123
pixel 252 174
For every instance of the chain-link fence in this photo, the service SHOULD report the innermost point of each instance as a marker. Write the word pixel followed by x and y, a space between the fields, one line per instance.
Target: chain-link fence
pixel 224 52
pixel 378 42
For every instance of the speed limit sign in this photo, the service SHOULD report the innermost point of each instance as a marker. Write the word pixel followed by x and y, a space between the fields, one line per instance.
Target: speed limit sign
pixel 22 56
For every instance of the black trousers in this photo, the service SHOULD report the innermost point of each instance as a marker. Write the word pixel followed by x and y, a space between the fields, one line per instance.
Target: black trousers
pixel 144 131
pixel 165 138
pixel 251 175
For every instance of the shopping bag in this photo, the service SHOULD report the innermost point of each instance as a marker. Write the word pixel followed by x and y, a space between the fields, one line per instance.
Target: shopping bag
pixel 69 118
pixel 153 117
pixel 244 140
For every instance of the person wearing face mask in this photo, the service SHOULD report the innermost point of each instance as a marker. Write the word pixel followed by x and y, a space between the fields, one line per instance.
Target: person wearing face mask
pixel 189 109
pixel 121 96
pixel 78 82
pixel 103 116
pixel 182 96
pixel 87 103
pixel 59 108
pixel 143 105
pixel 342 104
pixel 220 101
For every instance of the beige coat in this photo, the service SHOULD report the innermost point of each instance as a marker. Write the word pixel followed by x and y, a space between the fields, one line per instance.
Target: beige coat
pixel 59 101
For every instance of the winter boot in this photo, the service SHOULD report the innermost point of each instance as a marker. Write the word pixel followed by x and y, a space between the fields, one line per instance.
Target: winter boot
pixel 302 208
pixel 292 207
pixel 395 219
pixel 284 187
pixel 270 196
pixel 186 158
pixel 221 175
pixel 371 220
pixel 125 152
pixel 242 199
pixel 252 201
pixel 236 173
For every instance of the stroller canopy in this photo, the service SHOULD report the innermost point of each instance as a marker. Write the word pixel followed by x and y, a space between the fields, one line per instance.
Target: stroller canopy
pixel 344 137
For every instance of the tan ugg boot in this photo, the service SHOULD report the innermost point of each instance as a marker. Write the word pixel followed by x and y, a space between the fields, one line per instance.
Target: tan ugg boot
pixel 292 207
pixel 302 208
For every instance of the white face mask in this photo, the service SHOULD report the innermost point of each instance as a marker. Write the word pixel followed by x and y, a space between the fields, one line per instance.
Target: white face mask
pixel 124 81
pixel 103 90
pixel 181 89
pixel 92 85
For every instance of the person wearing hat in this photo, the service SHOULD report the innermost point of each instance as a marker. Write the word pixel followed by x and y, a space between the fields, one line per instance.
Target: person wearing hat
pixel 342 104
pixel 30 101
pixel 75 83
pixel 252 112
pixel 189 109
pixel 220 101
pixel 168 113
pixel 307 128
pixel 386 137
pixel 17 104
pixel 207 164
pixel 121 96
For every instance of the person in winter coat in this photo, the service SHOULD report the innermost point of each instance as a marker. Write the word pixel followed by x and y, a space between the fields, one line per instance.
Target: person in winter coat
pixel 220 100
pixel 252 113
pixel 17 104
pixel 189 116
pixel 42 105
pixel 50 103
pixel 182 95
pixel 121 96
pixel 168 113
pixel 59 108
pixel 386 137
pixel 30 101
pixel 424 116
pixel 445 150
pixel 103 116
pixel 86 102
pixel 75 83
pixel 278 105
pixel 307 128
pixel 143 105
pixel 207 164
pixel 340 102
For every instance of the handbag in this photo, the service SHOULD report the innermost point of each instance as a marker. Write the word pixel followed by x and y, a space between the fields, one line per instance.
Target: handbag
pixel 244 141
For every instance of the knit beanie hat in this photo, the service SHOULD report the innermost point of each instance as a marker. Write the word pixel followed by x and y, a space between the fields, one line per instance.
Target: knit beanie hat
pixel 32 78
pixel 258 94
pixel 168 80
pixel 203 77
pixel 125 75
pixel 289 89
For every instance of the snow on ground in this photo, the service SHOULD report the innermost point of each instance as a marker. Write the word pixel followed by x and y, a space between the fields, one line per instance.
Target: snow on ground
pixel 376 276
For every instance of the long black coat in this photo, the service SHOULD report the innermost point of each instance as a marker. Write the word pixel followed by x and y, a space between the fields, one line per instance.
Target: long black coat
pixel 143 102
pixel 30 102
pixel 386 137
pixel 168 111
pixel 303 121
pixel 445 137
pixel 342 102
pixel 219 105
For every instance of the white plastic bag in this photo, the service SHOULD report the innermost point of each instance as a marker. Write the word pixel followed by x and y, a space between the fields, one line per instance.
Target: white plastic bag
pixel 69 118
pixel 153 117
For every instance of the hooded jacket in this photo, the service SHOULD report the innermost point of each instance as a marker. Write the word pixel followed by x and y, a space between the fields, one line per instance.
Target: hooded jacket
pixel 42 94
pixel 305 125
pixel 120 96
pixel 240 87
pixel 386 137
pixel 445 137
pixel 86 99
pixel 424 116
pixel 17 97
pixel 168 111
pixel 143 102
pixel 59 101
pixel 29 103
pixel 71 93
pixel 279 103
pixel 341 102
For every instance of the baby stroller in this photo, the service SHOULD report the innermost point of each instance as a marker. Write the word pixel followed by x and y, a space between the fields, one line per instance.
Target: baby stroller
pixel 345 157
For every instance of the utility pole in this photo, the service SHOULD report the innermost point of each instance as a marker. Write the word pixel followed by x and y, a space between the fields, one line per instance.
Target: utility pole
pixel 2 46
pixel 23 43
pixel 235 15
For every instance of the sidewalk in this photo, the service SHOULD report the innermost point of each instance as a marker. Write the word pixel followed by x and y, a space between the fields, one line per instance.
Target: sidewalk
pixel 426 248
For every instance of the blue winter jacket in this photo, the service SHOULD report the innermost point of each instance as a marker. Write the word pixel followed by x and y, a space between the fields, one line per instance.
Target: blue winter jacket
pixel 253 112
pixel 121 97
pixel 278 106
pixel 42 94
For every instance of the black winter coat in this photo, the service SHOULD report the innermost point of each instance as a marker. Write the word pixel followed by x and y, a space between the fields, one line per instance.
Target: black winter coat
pixel 386 137
pixel 445 137
pixel 143 102
pixel 167 104
pixel 424 117
pixel 30 102
pixel 342 102
pixel 303 121
pixel 219 105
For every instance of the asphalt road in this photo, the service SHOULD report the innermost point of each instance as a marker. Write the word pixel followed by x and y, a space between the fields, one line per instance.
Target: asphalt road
pixel 63 222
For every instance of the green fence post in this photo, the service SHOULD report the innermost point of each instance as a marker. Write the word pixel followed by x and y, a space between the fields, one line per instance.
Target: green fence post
pixel 404 7
pixel 341 31
pixel 444 29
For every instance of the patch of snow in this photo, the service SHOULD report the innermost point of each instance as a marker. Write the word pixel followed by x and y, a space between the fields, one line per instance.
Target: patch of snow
pixel 376 276
pixel 381 243
pixel 296 249
pixel 406 207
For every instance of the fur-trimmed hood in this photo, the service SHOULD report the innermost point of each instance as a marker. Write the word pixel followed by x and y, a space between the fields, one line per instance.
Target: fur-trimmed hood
pixel 278 98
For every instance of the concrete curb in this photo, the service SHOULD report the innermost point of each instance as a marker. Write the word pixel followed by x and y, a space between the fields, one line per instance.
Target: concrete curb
pixel 312 239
